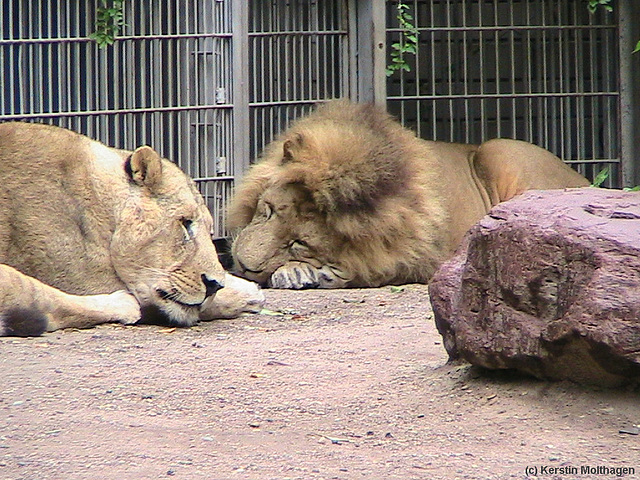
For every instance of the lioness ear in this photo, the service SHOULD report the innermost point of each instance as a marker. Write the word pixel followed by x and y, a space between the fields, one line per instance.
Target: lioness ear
pixel 144 167
pixel 290 147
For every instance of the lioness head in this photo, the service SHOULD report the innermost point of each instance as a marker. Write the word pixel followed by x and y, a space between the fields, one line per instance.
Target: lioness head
pixel 162 248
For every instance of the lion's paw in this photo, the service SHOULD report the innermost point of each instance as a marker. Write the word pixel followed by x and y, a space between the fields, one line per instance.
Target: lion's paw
pixel 299 275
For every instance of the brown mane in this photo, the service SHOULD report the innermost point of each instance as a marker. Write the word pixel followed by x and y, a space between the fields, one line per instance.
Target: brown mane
pixel 360 167
pixel 349 197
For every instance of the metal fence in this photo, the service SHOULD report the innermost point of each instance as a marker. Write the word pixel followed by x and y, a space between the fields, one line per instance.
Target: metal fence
pixel 206 83
pixel 299 52
pixel 166 82
pixel 541 71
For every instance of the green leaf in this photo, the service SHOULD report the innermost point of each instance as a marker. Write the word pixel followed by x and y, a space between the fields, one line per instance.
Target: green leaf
pixel 601 177
pixel 637 49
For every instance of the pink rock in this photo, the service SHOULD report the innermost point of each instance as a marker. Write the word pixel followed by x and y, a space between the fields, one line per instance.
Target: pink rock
pixel 548 284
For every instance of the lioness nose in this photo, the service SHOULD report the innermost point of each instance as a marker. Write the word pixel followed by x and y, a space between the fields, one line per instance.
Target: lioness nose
pixel 212 285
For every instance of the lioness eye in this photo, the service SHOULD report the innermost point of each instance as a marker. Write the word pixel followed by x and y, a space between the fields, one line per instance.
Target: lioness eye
pixel 187 227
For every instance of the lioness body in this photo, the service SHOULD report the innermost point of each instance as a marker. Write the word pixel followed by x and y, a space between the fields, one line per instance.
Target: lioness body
pixel 347 197
pixel 90 234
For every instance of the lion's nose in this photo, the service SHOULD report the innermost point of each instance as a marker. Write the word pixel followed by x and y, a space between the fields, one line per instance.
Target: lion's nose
pixel 211 284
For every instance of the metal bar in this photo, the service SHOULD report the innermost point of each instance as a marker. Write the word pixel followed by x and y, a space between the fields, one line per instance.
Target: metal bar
pixel 579 104
pixel 371 52
pixel 496 37
pixel 434 106
pixel 512 65
pixel 544 119
pixel 592 161
pixel 529 80
pixel 301 33
pixel 94 113
pixel 483 115
pixel 466 76
pixel 450 65
pixel 287 102
pixel 506 27
pixel 351 46
pixel 485 96
pixel 128 38
pixel 227 178
pixel 562 62
pixel 418 78
pixel 611 126
pixel 240 69
pixel 629 100
pixel 593 80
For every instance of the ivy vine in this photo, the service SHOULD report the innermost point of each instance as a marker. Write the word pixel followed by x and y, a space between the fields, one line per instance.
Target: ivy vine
pixel 109 22
pixel 408 43
pixel 606 4
pixel 594 4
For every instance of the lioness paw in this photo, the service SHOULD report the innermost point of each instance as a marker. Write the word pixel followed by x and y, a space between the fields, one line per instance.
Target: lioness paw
pixel 126 307
pixel 299 275
pixel 237 297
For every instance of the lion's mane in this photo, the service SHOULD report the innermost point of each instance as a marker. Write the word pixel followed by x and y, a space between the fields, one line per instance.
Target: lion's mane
pixel 366 175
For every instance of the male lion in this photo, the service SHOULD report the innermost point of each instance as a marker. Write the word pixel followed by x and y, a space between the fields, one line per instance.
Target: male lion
pixel 347 197
pixel 90 234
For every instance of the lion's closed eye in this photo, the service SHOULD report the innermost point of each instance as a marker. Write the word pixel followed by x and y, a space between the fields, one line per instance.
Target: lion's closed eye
pixel 298 247
pixel 267 211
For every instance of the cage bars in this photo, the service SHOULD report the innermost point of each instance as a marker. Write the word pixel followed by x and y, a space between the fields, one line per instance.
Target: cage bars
pixel 531 69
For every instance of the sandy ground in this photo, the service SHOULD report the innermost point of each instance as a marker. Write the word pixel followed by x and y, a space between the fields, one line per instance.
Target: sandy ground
pixel 350 384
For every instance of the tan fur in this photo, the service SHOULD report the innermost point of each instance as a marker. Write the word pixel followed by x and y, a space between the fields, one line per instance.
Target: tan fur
pixel 348 197
pixel 90 234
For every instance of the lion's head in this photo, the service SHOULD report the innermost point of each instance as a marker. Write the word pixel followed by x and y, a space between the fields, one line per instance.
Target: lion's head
pixel 335 202
pixel 161 248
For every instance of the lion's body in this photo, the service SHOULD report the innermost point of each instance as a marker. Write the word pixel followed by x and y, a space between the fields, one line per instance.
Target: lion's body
pixel 348 197
pixel 90 234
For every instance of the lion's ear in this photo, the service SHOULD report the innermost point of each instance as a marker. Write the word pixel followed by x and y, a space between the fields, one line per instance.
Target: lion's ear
pixel 291 147
pixel 144 167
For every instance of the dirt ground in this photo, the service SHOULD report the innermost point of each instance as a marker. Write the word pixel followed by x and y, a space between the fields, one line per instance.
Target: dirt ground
pixel 347 384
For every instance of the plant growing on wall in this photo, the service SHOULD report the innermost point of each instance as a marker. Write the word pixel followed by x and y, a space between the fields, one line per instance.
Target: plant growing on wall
pixel 606 4
pixel 594 4
pixel 109 22
pixel 408 43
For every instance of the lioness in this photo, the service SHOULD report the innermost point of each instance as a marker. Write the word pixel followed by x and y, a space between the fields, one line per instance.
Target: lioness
pixel 90 234
pixel 347 197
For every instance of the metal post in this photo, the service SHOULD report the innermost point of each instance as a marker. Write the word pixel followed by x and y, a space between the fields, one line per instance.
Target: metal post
pixel 368 40
pixel 240 29
pixel 629 12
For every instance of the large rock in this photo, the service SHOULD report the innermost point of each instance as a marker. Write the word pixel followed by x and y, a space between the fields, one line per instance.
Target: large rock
pixel 549 284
